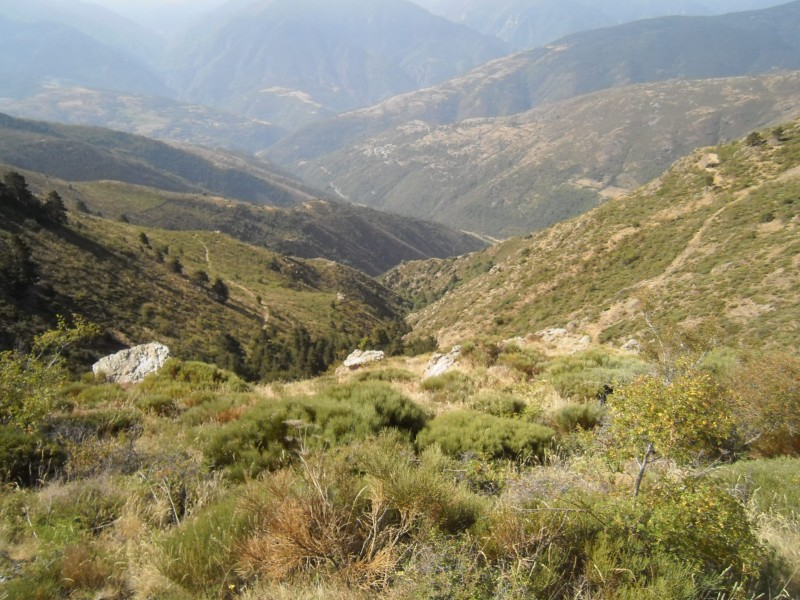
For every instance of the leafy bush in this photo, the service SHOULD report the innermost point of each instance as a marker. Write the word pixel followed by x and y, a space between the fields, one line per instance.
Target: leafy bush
pixel 529 362
pixel 498 404
pixel 158 404
pixel 573 416
pixel 583 376
pixel 385 375
pixel 266 436
pixel 468 431
pixel 451 387
pixel 688 419
pixel 767 391
pixel 27 458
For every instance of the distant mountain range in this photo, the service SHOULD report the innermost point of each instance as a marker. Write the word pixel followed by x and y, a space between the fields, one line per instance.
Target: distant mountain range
pixel 510 175
pixel 155 184
pixel 527 24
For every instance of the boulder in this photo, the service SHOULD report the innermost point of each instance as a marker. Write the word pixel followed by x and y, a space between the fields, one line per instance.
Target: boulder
pixel 632 345
pixel 132 365
pixel 442 363
pixel 360 358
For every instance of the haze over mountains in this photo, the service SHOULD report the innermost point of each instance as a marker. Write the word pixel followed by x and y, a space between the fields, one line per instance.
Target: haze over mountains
pixel 448 124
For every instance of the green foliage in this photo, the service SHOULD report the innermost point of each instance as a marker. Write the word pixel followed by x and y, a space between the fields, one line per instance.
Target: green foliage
pixel 688 419
pixel 584 376
pixel 451 387
pixel 268 435
pixel 459 432
pixel 158 404
pixel 577 416
pixel 29 383
pixel 180 376
pixel 766 388
pixel 498 404
pixel 27 458
pixel 701 523
pixel 201 553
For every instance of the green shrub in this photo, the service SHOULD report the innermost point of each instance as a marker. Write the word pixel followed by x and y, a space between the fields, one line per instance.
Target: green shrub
pixel 529 362
pixel 467 431
pixel 158 404
pixel 27 458
pixel 97 423
pixel 451 387
pixel 583 376
pixel 423 488
pixel 498 404
pixel 267 436
pixel 574 416
pixel 198 376
pixel 201 554
pixel 385 375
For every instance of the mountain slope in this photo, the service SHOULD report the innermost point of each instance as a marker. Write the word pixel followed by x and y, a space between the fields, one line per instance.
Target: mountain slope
pixel 366 239
pixel 508 176
pixel 35 53
pixel 715 237
pixel 159 118
pixel 644 51
pixel 292 62
pixel 92 20
pixel 528 24
pixel 78 153
pixel 123 278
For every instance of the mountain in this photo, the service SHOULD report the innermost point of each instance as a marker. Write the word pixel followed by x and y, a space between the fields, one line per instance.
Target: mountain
pixel 527 24
pixel 363 238
pixel 78 153
pixel 159 118
pixel 140 283
pixel 99 23
pixel 296 61
pixel 714 237
pixel 511 175
pixel 35 53
pixel 730 45
pixel 156 184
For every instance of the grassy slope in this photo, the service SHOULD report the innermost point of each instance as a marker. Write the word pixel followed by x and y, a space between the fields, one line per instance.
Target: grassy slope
pixel 710 240
pixel 101 270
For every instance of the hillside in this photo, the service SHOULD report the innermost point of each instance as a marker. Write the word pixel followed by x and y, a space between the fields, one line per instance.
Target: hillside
pixel 153 117
pixel 652 50
pixel 526 24
pixel 366 239
pixel 140 284
pixel 80 153
pixel 714 237
pixel 508 176
pixel 34 53
pixel 292 62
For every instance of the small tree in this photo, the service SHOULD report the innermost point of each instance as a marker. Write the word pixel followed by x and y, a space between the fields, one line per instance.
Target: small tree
pixel 199 278
pixel 176 266
pixel 29 383
pixel 220 291
pixel 53 211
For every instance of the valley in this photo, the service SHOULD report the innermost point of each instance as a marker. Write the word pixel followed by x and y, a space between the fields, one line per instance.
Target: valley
pixel 424 300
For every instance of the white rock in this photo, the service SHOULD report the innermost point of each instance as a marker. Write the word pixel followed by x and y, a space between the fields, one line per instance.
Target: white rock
pixel 359 358
pixel 442 363
pixel 632 345
pixel 132 365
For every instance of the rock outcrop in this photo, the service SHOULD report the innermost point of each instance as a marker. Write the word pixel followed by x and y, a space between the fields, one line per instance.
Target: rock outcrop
pixel 132 365
pixel 442 363
pixel 360 358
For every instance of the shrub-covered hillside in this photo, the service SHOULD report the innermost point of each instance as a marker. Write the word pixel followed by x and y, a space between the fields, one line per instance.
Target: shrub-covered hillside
pixel 715 236
pixel 520 474
pixel 204 294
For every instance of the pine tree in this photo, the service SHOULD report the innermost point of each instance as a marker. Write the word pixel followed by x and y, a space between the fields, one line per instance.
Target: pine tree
pixel 220 291
pixel 53 211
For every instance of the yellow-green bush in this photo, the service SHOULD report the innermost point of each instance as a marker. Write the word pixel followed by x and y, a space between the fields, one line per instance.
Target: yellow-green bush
pixel 468 431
